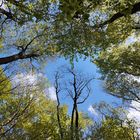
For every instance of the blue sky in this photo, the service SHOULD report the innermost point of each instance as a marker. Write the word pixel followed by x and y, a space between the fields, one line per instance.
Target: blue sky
pixel 98 93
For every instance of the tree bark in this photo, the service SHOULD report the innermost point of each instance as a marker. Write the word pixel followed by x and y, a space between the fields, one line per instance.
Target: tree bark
pixel 58 117
pixel 57 90
pixel 72 120
pixel 15 57
pixel 76 123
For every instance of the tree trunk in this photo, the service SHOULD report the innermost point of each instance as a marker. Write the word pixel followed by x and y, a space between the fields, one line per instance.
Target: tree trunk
pixel 58 117
pixel 76 123
pixel 72 120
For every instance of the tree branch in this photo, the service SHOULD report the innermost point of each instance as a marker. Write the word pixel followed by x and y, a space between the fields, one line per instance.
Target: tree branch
pixel 135 8
pixel 20 55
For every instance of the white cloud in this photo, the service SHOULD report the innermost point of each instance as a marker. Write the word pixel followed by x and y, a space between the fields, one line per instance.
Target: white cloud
pixel 24 79
pixel 137 78
pixel 92 110
pixel 27 79
pixel 2 5
pixel 51 93
pixel 29 82
pixel 134 113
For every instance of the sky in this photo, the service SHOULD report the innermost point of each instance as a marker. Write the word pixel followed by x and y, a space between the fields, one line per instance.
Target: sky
pixel 98 93
pixel 85 66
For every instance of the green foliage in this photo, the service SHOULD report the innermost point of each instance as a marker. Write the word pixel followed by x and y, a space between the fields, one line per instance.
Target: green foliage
pixel 5 84
pixel 112 129
pixel 120 66
pixel 68 28
pixel 30 114
pixel 75 27
pixel 114 124
pixel 23 11
pixel 122 59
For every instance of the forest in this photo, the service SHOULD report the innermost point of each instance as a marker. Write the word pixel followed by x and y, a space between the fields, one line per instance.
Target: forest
pixel 69 69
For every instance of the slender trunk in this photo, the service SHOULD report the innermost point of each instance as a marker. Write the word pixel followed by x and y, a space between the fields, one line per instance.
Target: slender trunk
pixel 76 123
pixel 59 123
pixel 58 116
pixel 72 120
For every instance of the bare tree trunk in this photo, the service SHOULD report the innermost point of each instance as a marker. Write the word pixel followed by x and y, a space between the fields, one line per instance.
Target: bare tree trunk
pixel 76 123
pixel 78 89
pixel 72 120
pixel 58 117
pixel 57 90
pixel 75 126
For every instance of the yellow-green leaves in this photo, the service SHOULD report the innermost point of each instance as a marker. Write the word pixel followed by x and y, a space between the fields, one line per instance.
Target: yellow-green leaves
pixel 121 68
pixel 123 59
pixel 113 129
pixel 5 84
pixel 1 41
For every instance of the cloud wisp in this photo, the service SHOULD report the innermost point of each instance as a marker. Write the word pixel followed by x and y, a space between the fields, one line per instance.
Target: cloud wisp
pixel 50 92
pixel 92 110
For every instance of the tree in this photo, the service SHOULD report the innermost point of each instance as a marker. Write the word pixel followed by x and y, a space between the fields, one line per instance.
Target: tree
pixel 80 9
pixel 34 117
pixel 27 19
pixel 112 129
pixel 71 28
pixel 104 15
pixel 60 30
pixel 77 87
pixel 120 67
pixel 29 117
pixel 27 113
pixel 113 24
pixel 114 124
pixel 5 83
pixel 57 91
